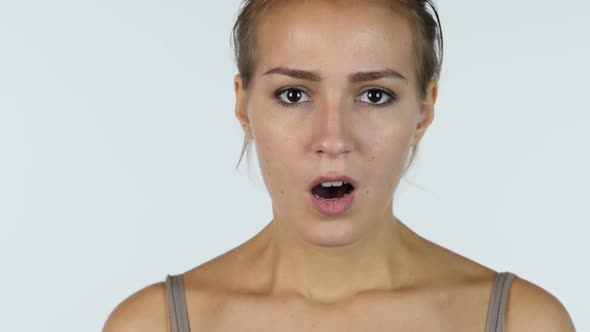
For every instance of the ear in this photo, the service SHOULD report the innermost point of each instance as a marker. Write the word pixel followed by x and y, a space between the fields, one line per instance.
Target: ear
pixel 426 111
pixel 241 103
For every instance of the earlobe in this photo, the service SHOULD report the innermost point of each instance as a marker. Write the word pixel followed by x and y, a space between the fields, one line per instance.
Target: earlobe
pixel 240 107
pixel 427 111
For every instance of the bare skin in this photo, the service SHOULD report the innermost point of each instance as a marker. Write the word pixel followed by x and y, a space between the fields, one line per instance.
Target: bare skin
pixel 361 271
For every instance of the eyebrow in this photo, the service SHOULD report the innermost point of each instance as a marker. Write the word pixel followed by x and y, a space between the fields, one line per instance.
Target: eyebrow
pixel 356 77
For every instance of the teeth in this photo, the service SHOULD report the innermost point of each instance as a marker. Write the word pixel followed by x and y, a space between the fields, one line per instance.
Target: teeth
pixel 333 184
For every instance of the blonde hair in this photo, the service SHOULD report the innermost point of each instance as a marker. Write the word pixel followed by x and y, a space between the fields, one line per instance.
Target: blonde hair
pixel 427 37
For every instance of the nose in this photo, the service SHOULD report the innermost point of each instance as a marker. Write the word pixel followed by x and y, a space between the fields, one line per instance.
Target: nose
pixel 332 130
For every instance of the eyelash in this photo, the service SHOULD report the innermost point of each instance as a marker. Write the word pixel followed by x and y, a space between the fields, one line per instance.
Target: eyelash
pixel 392 97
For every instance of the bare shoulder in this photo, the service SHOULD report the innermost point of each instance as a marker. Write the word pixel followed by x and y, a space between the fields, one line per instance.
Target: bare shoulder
pixel 532 308
pixel 142 311
pixel 529 308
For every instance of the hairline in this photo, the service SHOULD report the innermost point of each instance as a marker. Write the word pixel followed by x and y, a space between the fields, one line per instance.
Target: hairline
pixel 394 6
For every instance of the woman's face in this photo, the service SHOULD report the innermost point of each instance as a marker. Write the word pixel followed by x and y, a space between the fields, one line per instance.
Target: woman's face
pixel 334 93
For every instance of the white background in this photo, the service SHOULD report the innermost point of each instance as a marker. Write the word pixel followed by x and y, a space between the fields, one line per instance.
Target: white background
pixel 118 143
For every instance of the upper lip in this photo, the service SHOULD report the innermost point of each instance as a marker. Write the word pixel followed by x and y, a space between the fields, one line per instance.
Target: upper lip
pixel 332 178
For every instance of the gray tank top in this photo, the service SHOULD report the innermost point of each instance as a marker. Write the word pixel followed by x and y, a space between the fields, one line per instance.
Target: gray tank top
pixel 178 315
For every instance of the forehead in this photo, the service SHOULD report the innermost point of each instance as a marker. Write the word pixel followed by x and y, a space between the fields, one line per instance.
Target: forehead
pixel 335 36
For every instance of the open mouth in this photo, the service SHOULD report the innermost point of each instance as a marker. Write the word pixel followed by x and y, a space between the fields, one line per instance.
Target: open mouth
pixel 332 190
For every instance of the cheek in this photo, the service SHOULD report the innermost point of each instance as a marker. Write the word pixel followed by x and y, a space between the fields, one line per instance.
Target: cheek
pixel 276 157
pixel 387 153
pixel 390 137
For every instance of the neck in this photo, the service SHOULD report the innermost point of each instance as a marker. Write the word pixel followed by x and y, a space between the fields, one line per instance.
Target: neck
pixel 377 261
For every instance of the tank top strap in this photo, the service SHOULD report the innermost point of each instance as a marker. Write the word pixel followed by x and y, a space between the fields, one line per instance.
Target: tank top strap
pixel 176 302
pixel 498 301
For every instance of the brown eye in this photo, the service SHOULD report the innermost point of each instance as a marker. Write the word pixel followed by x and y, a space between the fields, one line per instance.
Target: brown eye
pixel 377 97
pixel 292 96
pixel 374 96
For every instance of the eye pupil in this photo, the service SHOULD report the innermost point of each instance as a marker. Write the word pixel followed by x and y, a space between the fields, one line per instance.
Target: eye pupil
pixel 294 95
pixel 374 95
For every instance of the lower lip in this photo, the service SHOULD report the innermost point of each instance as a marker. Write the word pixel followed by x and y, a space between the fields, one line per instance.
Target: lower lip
pixel 335 207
